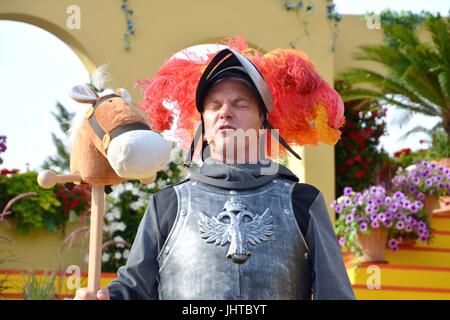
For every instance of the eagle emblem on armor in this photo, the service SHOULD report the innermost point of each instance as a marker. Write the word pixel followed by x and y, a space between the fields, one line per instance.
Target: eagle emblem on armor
pixel 237 226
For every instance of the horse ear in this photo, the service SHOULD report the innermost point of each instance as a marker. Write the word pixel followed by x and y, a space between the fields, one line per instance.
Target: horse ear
pixel 83 94
pixel 124 94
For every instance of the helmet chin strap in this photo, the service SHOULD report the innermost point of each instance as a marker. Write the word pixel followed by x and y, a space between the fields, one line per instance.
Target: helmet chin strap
pixel 280 139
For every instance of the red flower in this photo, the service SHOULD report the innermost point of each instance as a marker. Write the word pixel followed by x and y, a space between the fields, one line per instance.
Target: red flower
pixel 358 158
pixel 5 172
pixel 360 173
pixel 350 162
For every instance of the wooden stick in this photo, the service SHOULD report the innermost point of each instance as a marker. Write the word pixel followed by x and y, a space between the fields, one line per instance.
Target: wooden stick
pixel 95 237
pixel 47 179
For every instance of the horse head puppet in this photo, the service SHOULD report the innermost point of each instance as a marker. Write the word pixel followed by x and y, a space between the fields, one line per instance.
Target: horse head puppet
pixel 114 141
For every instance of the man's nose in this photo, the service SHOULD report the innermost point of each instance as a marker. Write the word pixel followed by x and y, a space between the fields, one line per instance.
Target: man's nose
pixel 225 111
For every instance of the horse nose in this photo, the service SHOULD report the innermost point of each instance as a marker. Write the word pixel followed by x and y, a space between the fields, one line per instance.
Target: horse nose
pixel 138 154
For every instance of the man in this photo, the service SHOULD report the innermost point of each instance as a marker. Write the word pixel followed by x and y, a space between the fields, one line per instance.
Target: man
pixel 233 229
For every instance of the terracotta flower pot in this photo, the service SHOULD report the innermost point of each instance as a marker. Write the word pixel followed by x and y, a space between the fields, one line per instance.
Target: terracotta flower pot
pixel 430 203
pixel 444 201
pixel 407 243
pixel 374 245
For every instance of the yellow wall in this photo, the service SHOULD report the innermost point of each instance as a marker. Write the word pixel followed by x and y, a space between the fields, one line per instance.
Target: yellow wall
pixel 40 249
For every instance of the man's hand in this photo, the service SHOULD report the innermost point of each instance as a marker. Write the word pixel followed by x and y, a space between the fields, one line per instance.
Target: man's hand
pixel 85 294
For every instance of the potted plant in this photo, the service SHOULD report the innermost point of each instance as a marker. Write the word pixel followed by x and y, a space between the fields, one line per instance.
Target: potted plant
pixel 439 152
pixel 425 181
pixel 371 219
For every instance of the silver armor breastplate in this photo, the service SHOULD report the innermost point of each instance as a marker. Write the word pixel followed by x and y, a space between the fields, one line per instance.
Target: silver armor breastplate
pixel 242 244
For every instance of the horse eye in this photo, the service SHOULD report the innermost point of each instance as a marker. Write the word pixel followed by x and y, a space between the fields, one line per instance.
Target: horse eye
pixel 110 100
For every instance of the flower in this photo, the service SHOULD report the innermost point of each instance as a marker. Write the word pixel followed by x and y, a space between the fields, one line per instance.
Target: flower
pixel 105 257
pixel 348 191
pixel 373 208
pixel 400 225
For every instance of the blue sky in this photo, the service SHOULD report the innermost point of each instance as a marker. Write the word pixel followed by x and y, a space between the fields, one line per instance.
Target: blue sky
pixel 37 69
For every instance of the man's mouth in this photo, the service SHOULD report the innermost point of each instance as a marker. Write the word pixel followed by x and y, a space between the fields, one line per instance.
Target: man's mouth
pixel 226 127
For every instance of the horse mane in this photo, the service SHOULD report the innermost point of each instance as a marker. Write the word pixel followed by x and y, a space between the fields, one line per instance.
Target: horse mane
pixel 99 80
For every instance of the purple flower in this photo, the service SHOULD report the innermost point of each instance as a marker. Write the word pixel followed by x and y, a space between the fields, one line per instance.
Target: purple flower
pixel 338 208
pixel 342 241
pixel 382 217
pixel 363 227
pixel 409 228
pixel 375 224
pixel 418 204
pixel 373 217
pixel 416 181
pixel 393 243
pixel 423 239
pixel 425 173
pixel 348 191
pixel 398 195
pixel 400 225
pixel 347 202
pixel 429 182
pixel 387 224
pixel 393 207
pixel 413 208
pixel 421 196
pixel 349 218
pixel 389 216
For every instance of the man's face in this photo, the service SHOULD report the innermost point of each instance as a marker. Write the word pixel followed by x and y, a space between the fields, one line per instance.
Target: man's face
pixel 229 105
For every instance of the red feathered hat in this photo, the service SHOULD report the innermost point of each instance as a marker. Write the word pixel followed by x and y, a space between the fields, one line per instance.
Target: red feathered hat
pixel 297 101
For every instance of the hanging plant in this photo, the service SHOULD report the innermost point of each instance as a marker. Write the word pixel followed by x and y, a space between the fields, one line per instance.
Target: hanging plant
pixel 303 8
pixel 128 13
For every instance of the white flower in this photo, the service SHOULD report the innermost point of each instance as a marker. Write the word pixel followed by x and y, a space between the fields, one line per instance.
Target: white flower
pixel 135 191
pixel 411 168
pixel 116 213
pixel 169 173
pixel 105 257
pixel 152 185
pixel 109 216
pixel 106 228
pixel 117 255
pixel 161 183
pixel 126 253
pixel 135 205
pixel 121 226
pixel 119 239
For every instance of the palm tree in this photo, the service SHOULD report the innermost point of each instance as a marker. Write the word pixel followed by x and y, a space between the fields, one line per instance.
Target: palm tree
pixel 418 72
